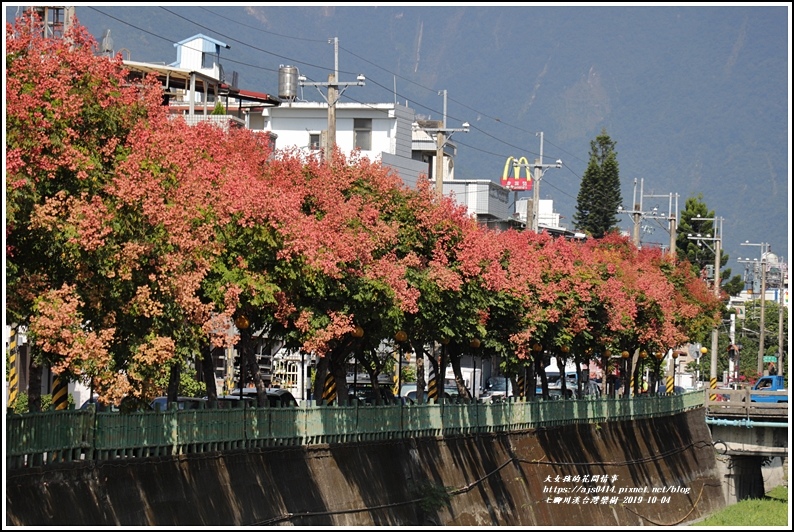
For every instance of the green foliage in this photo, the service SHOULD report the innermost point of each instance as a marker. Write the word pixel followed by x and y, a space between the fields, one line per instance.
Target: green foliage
pixel 599 194
pixel 701 253
pixel 747 336
pixel 772 510
pixel 21 404
pixel 219 108
pixel 189 386
pixel 432 496
pixel 409 374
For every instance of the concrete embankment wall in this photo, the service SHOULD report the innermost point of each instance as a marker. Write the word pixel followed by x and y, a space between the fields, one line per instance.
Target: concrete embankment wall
pixel 654 472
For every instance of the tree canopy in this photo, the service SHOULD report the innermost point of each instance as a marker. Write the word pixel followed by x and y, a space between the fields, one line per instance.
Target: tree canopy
pixel 135 241
pixel 599 193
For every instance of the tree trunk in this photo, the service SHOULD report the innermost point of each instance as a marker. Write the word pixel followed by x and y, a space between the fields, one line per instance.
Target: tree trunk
pixel 173 382
pixel 208 374
pixel 337 366
pixel 461 385
pixel 420 373
pixel 532 381
pixel 320 372
pixel 34 382
pixel 256 375
pixel 563 379
pixel 544 382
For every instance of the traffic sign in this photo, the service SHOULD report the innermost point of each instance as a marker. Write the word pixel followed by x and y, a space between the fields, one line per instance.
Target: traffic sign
pixel 770 358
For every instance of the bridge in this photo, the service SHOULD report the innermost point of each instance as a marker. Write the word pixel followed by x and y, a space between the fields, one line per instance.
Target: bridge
pixel 748 434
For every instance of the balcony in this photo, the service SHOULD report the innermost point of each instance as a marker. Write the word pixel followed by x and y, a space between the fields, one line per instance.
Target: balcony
pixel 223 121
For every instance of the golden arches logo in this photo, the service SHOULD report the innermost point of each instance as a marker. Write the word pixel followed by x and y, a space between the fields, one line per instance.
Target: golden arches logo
pixel 515 182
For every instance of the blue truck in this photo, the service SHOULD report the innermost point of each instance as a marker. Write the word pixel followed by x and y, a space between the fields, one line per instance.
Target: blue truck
pixel 771 383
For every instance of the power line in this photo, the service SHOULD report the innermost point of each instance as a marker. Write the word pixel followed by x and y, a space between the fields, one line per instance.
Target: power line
pixel 261 30
pixel 370 79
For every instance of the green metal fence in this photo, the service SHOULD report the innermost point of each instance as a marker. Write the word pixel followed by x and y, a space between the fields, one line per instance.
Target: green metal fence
pixel 73 435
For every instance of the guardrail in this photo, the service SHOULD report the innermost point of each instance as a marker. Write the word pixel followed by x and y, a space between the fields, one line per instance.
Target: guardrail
pixel 52 437
pixel 724 402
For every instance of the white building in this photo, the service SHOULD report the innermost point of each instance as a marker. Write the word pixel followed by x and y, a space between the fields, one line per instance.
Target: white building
pixel 381 131
pixel 201 54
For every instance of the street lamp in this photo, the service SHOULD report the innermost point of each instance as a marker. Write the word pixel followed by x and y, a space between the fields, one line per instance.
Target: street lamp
pixel 764 249
pixel 703 240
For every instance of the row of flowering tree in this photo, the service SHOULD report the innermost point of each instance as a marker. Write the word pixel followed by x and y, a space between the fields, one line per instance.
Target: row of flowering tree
pixel 134 242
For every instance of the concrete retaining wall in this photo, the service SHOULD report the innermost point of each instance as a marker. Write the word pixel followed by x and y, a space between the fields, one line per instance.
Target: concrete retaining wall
pixel 654 472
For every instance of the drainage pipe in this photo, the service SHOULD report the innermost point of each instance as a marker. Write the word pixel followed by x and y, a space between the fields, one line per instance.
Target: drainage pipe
pixel 747 423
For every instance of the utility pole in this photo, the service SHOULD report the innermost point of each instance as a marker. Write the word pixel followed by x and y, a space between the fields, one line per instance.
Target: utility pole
pixel 441 140
pixel 538 170
pixel 717 239
pixel 333 97
pixel 636 214
pixel 330 139
pixel 672 218
pixel 780 363
pixel 764 247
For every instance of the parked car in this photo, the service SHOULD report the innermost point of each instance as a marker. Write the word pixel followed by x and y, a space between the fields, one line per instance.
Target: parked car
pixel 408 392
pixel 662 389
pixel 497 388
pixel 93 402
pixel 128 404
pixel 182 403
pixel 365 394
pixel 277 397
pixel 235 401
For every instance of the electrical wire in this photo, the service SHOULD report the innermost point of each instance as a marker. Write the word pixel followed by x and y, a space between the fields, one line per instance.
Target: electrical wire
pixel 304 63
pixel 468 487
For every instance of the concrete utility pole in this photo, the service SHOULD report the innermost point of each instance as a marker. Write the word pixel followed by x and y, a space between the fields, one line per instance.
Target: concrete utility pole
pixel 764 247
pixel 671 217
pixel 441 140
pixel 538 170
pixel 333 97
pixel 717 239
pixel 780 362
pixel 636 214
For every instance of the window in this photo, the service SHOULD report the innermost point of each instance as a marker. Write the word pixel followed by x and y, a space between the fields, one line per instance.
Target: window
pixel 314 141
pixel 362 133
pixel 207 60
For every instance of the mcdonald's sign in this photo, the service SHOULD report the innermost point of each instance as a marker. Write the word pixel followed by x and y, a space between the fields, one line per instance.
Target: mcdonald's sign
pixel 514 182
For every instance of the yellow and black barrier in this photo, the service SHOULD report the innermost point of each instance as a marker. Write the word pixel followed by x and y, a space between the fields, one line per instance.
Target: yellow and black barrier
pixel 13 376
pixel 59 393
pixel 329 389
